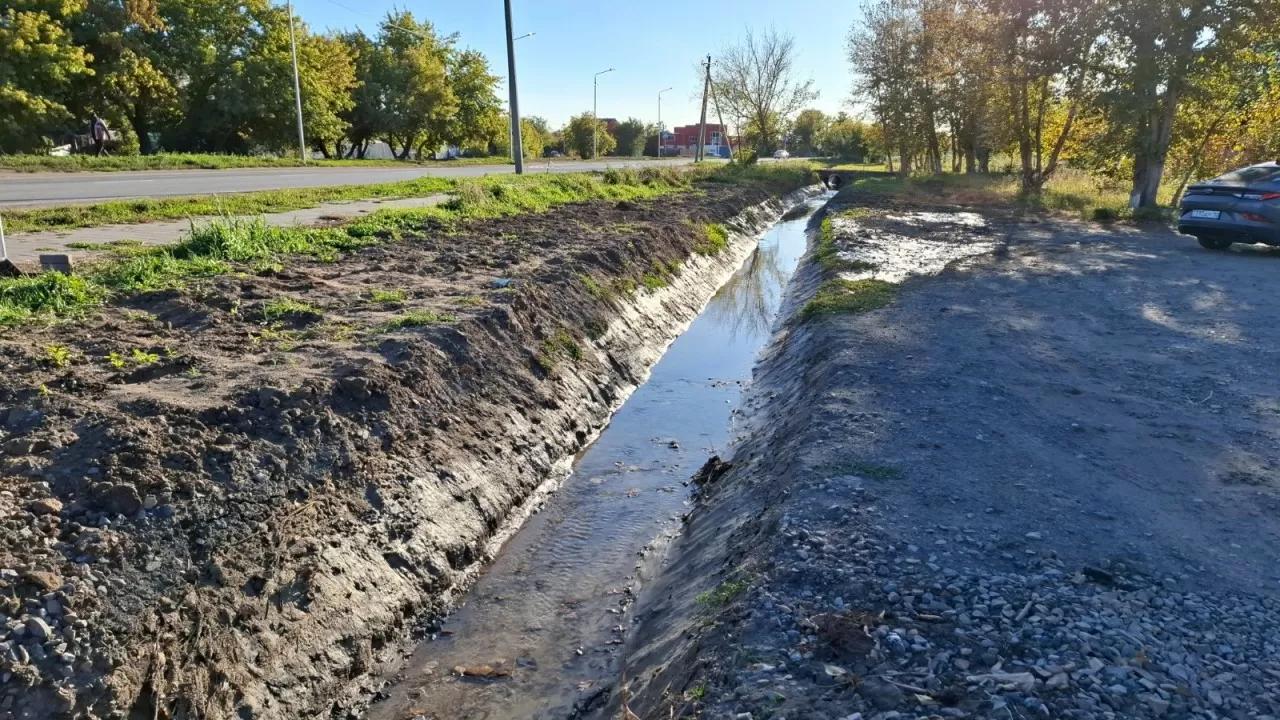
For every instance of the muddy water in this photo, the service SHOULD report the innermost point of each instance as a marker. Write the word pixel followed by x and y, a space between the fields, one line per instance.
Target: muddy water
pixel 545 619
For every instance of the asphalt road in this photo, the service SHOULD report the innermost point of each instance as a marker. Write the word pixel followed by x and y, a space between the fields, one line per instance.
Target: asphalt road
pixel 18 189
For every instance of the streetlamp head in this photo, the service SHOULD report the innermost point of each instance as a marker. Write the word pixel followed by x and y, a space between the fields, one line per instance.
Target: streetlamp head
pixel 604 71
pixel 662 91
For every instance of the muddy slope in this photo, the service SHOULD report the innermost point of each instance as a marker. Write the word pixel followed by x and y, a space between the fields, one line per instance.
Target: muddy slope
pixel 216 504
pixel 1038 484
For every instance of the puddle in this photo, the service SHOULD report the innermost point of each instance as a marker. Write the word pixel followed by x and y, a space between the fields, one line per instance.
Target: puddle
pixel 898 255
pixel 539 633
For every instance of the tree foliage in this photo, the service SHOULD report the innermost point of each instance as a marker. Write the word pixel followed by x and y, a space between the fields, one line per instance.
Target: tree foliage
pixel 39 63
pixel 1121 87
pixel 585 129
pixel 807 131
pixel 216 75
pixel 629 136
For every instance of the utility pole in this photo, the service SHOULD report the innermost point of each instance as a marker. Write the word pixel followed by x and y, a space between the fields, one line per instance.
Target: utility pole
pixel 660 122
pixel 724 129
pixel 297 86
pixel 702 123
pixel 517 143
pixel 595 116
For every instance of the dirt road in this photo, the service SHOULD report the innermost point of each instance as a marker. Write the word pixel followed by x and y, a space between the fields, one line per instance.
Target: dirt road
pixel 1041 483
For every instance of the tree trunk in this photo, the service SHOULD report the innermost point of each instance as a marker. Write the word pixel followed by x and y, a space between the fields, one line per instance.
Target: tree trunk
pixel 1153 149
pixel 984 160
pixel 904 161
pixel 142 128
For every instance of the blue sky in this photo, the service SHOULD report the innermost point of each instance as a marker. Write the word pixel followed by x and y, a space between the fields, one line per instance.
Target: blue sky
pixel 651 46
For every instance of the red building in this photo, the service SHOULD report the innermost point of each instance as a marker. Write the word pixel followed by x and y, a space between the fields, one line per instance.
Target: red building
pixel 683 140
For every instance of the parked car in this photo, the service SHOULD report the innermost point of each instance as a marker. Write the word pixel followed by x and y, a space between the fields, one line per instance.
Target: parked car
pixel 1241 206
pixel 781 154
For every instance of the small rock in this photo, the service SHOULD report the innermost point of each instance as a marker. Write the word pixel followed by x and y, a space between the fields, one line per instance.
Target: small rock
pixel 46 506
pixel 39 629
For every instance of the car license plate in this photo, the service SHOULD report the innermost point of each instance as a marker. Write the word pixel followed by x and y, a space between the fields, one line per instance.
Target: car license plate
pixel 1207 214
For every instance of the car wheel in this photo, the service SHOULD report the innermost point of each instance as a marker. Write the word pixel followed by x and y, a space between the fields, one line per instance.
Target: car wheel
pixel 1214 243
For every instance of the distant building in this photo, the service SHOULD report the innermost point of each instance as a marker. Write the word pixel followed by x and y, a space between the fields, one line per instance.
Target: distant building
pixel 610 125
pixel 683 140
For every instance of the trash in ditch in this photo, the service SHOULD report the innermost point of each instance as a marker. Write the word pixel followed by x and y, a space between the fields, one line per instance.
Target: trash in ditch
pixel 500 283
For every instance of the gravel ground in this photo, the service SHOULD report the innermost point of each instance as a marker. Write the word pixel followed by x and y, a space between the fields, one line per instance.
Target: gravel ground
pixel 1040 484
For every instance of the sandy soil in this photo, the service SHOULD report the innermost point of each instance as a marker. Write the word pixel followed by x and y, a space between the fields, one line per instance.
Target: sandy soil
pixel 210 512
pixel 1041 483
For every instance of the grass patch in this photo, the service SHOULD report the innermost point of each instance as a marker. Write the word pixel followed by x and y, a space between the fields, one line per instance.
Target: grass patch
pixel 828 257
pixel 1069 190
pixel 58 355
pixel 594 288
pixel 141 210
pixel 205 161
pixel 849 296
pixel 27 299
pixel 715 240
pixel 559 346
pixel 722 594
pixel 282 308
pixel 653 282
pixel 225 246
pixel 392 295
pixel 416 318
pixel 470 301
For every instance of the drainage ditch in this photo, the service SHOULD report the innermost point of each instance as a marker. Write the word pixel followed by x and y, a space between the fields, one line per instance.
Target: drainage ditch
pixel 539 634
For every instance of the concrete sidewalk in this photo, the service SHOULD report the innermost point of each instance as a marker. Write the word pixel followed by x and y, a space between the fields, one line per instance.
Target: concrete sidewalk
pixel 27 247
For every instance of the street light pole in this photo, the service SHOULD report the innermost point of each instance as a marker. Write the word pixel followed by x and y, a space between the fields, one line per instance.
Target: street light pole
pixel 660 122
pixel 595 116
pixel 297 86
pixel 517 143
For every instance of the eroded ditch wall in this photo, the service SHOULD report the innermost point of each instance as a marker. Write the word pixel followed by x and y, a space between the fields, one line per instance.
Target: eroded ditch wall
pixel 359 503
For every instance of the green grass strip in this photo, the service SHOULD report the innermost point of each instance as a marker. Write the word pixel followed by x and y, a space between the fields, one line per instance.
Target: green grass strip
pixel 207 161
pixel 835 297
pixel 222 246
pixel 67 217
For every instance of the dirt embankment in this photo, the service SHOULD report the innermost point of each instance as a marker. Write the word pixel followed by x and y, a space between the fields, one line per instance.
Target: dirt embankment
pixel 1040 482
pixel 234 500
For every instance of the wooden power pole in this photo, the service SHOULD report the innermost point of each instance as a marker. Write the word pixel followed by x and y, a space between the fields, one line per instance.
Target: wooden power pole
pixel 702 123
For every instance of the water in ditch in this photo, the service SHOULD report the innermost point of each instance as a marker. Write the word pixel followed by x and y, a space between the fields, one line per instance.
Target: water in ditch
pixel 539 634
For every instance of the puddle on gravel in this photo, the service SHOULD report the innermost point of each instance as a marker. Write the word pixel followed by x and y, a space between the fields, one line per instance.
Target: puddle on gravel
pixel 544 619
pixel 892 244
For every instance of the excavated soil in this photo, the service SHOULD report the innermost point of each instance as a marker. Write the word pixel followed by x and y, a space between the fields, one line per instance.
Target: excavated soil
pixel 210 510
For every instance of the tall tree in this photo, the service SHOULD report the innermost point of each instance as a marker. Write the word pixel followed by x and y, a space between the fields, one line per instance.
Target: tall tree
pixel 756 79
pixel 478 119
pixel 629 135
pixel 807 131
pixel 585 132
pixel 1160 46
pixel 412 81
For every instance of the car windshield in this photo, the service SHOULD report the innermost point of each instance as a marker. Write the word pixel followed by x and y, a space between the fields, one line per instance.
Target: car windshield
pixel 1252 174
